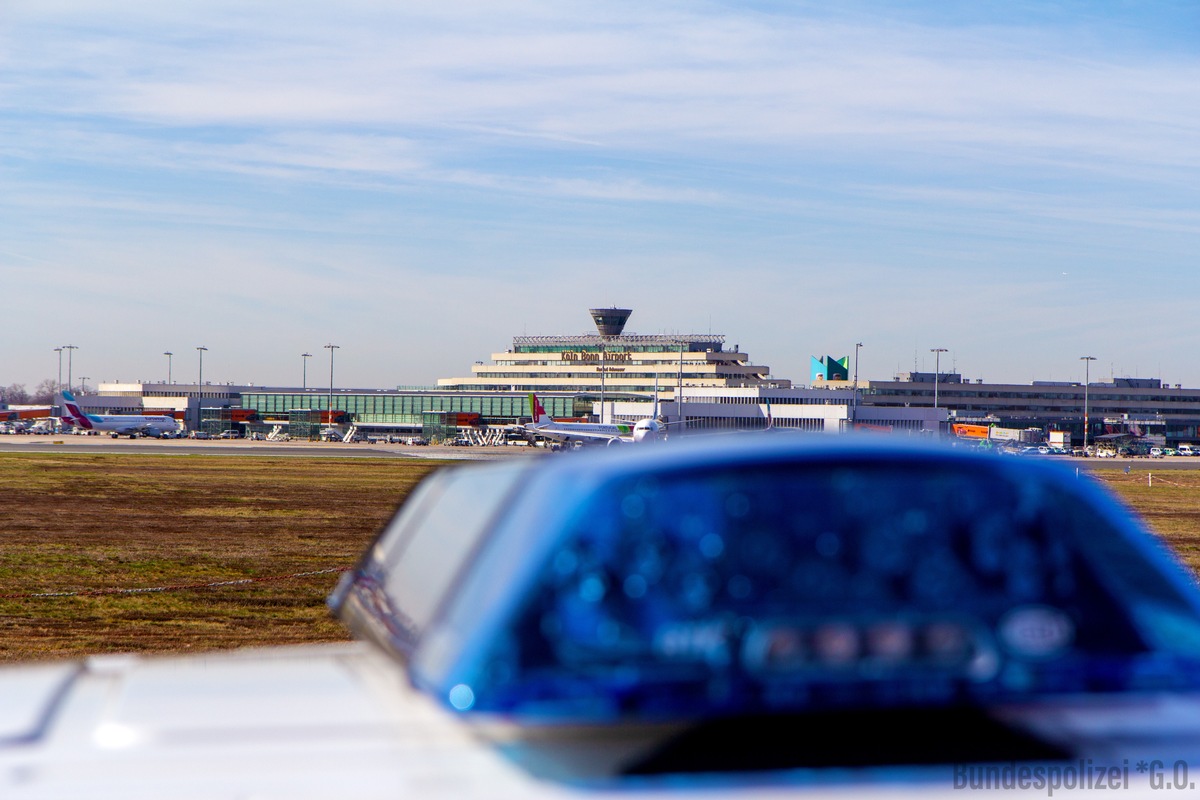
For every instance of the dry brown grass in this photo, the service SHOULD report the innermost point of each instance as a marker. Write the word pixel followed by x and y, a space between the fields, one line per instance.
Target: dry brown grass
pixel 80 522
pixel 1168 501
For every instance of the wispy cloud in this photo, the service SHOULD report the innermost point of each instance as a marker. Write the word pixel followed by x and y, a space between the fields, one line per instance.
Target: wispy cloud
pixel 644 80
pixel 860 160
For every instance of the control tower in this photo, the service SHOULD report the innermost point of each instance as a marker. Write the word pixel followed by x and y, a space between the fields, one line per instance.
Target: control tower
pixel 610 321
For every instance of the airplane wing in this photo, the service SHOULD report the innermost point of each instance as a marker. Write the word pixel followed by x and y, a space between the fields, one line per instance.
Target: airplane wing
pixel 127 428
pixel 576 436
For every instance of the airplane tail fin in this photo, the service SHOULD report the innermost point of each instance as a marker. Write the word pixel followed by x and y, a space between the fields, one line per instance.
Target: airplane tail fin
pixel 72 413
pixel 770 419
pixel 536 410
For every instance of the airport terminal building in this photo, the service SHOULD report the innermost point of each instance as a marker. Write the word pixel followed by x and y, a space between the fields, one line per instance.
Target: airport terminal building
pixel 612 362
pixel 701 384
pixel 610 374
pixel 1139 406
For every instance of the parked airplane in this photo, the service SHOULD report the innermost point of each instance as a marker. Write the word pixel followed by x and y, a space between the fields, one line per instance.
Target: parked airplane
pixel 647 429
pixel 116 424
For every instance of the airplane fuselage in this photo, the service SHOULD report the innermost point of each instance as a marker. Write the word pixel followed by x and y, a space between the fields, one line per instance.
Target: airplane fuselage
pixel 127 424
pixel 579 431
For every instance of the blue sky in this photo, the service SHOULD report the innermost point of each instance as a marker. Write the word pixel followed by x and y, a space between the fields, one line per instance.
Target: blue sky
pixel 1016 182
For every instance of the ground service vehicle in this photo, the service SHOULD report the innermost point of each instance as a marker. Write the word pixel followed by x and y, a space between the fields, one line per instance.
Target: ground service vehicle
pixel 770 616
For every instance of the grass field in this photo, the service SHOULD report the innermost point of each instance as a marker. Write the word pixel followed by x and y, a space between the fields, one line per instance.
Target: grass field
pixel 1168 501
pixel 82 522
pixel 94 523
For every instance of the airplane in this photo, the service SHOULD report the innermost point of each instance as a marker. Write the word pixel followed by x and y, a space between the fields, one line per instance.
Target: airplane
pixel 131 425
pixel 643 430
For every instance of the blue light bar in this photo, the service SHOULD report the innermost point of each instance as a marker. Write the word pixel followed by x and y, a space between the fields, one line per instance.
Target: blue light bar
pixel 769 575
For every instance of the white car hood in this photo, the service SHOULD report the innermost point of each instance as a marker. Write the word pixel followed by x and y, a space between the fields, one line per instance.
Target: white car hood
pixel 340 720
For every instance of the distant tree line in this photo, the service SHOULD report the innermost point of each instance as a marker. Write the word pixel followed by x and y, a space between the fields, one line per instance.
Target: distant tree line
pixel 16 394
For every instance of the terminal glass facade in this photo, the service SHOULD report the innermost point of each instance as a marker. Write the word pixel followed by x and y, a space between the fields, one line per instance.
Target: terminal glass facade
pixel 406 409
pixel 215 420
pixel 304 424
pixel 438 426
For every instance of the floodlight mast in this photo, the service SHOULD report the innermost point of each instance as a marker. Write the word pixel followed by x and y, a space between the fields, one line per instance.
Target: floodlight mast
pixel 1086 380
pixel 200 389
pixel 70 348
pixel 854 407
pixel 679 390
pixel 331 348
pixel 937 356
pixel 200 376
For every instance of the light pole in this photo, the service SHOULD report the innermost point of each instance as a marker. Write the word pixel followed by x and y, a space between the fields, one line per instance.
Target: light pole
pixel 59 351
pixel 200 389
pixel 304 357
pixel 83 384
pixel 200 376
pixel 679 389
pixel 854 408
pixel 601 379
pixel 1086 379
pixel 937 369
pixel 331 348
pixel 168 354
pixel 70 348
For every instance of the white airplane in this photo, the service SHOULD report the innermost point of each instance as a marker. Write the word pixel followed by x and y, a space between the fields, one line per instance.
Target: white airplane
pixel 116 424
pixel 643 430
